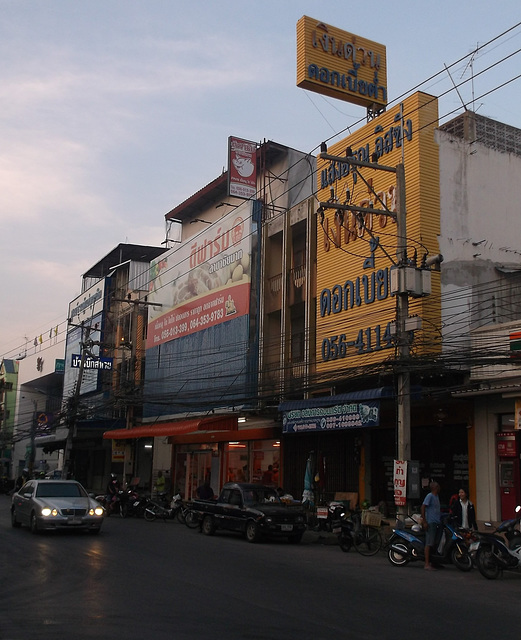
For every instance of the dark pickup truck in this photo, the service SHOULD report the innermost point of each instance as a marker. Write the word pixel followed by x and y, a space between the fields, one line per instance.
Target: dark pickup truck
pixel 253 510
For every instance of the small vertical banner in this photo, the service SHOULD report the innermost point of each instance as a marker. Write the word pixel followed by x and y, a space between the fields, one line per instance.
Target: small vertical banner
pixel 517 422
pixel 400 482
pixel 118 451
pixel 242 168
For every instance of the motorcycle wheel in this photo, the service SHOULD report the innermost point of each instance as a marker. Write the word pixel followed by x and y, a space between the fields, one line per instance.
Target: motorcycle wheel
pixel 150 514
pixel 345 543
pixel 487 564
pixel 181 515
pixel 397 558
pixel 461 559
pixel 192 520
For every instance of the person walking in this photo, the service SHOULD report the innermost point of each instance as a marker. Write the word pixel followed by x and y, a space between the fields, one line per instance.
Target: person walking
pixel 431 515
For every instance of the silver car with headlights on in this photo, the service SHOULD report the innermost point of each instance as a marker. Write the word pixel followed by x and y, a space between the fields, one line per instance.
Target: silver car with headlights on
pixel 47 505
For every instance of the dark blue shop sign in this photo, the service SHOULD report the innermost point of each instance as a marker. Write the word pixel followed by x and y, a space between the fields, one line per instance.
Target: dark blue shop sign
pixel 91 362
pixel 352 415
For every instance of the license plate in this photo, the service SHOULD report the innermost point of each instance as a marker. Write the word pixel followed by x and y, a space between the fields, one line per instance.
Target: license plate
pixel 73 520
pixel 337 529
pixel 474 546
pixel 286 527
pixel 136 503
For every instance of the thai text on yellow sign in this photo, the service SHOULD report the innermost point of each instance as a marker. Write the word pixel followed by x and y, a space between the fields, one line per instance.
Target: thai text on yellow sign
pixel 340 64
pixel 355 253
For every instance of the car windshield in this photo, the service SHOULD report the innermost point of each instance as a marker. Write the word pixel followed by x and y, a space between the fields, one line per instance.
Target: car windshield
pixel 59 490
pixel 261 496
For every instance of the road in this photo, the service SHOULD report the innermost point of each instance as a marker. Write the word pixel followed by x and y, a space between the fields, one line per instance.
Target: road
pixel 140 580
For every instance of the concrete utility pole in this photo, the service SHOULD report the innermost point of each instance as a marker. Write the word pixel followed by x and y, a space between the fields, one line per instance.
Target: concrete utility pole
pixel 72 409
pixel 402 297
pixel 402 337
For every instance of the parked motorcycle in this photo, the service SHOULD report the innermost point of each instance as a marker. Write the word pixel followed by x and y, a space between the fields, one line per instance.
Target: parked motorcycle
pixel 328 518
pixel 155 510
pixel 494 554
pixel 408 545
pixel 132 504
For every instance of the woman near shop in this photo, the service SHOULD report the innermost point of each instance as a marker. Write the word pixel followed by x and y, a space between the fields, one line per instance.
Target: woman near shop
pixel 463 511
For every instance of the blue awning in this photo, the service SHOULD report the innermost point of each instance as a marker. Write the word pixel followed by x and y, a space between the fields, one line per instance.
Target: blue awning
pixel 342 398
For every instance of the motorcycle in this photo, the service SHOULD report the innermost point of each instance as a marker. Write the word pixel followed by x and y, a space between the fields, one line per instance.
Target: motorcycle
pixel 111 504
pixel 169 511
pixel 494 554
pixel 406 546
pixel 328 518
pixel 132 504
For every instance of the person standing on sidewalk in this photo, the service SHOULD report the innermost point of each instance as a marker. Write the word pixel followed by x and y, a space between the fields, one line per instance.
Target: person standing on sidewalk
pixel 431 515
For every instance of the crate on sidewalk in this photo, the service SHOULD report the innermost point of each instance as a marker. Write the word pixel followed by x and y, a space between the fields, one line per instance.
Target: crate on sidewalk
pixel 371 518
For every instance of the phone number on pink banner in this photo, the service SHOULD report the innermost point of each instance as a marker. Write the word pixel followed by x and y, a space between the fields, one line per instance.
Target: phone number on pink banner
pixel 198 314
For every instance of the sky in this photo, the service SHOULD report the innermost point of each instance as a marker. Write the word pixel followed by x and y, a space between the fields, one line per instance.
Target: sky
pixel 113 112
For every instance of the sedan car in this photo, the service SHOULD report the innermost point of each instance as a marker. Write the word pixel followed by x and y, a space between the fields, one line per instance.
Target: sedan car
pixel 55 504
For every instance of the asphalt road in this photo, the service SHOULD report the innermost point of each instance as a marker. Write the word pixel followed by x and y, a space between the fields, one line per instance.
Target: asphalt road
pixel 140 580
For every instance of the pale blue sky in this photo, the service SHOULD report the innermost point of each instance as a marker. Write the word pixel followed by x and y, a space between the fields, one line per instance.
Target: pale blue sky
pixel 113 112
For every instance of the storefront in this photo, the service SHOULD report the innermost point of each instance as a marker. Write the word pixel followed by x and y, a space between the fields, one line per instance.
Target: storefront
pixel 216 448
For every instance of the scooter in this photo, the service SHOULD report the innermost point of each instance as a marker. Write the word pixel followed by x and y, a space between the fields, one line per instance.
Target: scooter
pixel 494 554
pixel 406 546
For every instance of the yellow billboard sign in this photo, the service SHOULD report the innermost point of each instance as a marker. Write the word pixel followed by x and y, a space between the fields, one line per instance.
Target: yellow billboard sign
pixel 356 305
pixel 340 64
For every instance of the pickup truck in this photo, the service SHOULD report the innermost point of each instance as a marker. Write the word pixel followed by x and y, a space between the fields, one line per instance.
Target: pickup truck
pixel 253 510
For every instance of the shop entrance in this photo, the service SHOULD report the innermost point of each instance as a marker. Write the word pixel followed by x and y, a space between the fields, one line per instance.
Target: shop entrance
pixel 193 467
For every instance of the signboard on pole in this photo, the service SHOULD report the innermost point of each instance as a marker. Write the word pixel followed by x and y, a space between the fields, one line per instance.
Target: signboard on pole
pixel 400 482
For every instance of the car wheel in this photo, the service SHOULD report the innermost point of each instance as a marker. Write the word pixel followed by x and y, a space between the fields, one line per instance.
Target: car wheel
pixel 253 533
pixel 34 523
pixel 14 521
pixel 208 526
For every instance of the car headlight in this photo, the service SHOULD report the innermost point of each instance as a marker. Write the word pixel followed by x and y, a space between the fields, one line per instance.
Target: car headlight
pixel 46 511
pixel 268 520
pixel 97 511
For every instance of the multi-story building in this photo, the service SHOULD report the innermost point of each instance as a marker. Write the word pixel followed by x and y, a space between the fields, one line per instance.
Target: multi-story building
pixel 8 382
pixel 227 326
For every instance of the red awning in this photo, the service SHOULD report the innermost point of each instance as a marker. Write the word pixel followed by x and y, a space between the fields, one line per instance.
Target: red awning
pixel 213 423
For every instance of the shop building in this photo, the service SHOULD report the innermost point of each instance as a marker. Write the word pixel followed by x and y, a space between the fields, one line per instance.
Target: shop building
pixel 8 384
pixel 227 321
pixel 346 415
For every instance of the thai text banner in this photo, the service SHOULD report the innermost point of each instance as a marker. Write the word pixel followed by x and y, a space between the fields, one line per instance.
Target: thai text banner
pixel 354 415
pixel 204 282
pixel 341 65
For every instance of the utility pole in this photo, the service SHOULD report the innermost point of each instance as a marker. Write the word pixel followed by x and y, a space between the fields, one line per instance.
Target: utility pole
pixel 402 296
pixel 72 409
pixel 402 337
